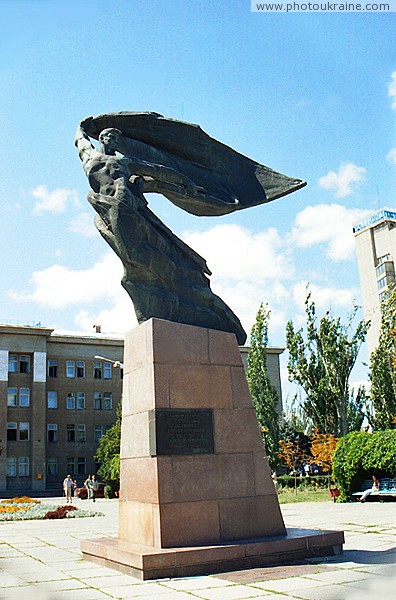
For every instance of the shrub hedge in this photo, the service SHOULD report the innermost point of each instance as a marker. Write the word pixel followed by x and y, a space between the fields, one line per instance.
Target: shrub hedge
pixel 313 482
pixel 359 455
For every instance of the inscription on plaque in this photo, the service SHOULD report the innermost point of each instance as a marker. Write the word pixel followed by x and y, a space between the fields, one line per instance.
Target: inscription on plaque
pixel 181 431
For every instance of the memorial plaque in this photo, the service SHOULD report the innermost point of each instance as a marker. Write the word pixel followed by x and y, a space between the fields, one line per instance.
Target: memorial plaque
pixel 181 431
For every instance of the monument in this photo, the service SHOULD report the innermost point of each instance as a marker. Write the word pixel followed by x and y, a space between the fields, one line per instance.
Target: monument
pixel 196 492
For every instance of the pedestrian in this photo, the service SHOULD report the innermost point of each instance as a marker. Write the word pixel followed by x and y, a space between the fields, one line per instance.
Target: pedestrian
pixel 68 488
pixel 94 486
pixel 275 480
pixel 88 486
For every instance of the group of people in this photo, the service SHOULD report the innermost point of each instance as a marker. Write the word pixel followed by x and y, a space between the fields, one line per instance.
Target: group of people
pixel 90 484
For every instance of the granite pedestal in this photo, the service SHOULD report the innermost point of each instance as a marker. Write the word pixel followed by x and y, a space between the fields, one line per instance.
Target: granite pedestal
pixel 196 491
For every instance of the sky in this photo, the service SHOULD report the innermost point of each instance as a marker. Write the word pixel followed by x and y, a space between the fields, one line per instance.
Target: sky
pixel 312 95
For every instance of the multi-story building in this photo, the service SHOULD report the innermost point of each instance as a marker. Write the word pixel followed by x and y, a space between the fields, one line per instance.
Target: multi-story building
pixel 58 395
pixel 375 239
pixel 57 399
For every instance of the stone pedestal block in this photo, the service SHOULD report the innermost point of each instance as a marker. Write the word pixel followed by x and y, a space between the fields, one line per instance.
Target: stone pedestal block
pixel 194 473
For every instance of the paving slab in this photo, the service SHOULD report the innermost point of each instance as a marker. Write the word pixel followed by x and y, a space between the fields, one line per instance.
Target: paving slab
pixel 42 561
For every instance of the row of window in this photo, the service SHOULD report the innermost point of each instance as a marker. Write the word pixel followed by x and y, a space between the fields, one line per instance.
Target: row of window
pixel 20 466
pixel 74 400
pixel 21 363
pixel 74 433
pixel 17 466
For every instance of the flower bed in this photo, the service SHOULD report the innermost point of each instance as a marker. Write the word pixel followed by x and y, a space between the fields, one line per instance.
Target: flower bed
pixel 25 508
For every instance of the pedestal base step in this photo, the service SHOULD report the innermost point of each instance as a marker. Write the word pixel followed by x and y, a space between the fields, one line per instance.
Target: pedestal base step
pixel 146 562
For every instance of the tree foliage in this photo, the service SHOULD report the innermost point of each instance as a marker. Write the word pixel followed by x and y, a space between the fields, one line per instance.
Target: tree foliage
pixel 108 454
pixel 322 450
pixel 293 453
pixel 322 365
pixel 359 455
pixel 383 368
pixel 265 397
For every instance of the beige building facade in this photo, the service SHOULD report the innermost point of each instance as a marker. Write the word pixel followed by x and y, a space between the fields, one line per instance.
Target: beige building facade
pixel 59 394
pixel 375 239
pixel 57 400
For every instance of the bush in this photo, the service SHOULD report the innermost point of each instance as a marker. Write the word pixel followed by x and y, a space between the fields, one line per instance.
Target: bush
pixel 109 492
pixel 359 455
pixel 59 513
pixel 313 482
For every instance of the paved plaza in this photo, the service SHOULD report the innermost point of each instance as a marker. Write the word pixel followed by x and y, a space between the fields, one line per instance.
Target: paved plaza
pixel 41 560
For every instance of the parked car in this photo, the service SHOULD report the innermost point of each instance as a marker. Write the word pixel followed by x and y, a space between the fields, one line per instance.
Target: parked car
pixel 82 493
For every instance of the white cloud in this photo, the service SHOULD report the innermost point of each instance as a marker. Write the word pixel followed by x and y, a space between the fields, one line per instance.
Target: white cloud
pixel 329 224
pixel 236 254
pixel 325 298
pixel 391 156
pixel 59 287
pixel 248 268
pixel 342 182
pixel 117 319
pixel 392 89
pixel 83 224
pixel 55 201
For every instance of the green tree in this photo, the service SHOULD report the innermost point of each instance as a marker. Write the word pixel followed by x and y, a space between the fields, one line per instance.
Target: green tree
pixel 322 365
pixel 265 397
pixel 108 454
pixel 382 368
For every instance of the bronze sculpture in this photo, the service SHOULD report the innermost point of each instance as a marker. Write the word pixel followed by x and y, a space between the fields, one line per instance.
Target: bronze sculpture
pixel 162 275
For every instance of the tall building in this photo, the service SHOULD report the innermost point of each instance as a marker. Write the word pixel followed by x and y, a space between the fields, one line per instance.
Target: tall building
pixel 56 401
pixel 375 239
pixel 58 396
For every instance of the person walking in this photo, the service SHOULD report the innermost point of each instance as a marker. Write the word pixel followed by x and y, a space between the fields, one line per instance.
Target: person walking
pixel 94 487
pixel 88 486
pixel 68 485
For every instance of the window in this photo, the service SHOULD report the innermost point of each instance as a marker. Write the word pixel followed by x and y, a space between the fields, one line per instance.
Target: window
pixel 80 368
pixel 24 363
pixel 23 467
pixel 52 466
pixel 52 368
pixel 107 401
pixel 70 368
pixel 81 465
pixel 52 432
pixel 107 370
pixel 70 401
pixel 23 432
pixel 12 398
pixel 18 363
pixel 81 434
pixel 103 401
pixel 71 466
pixel 99 431
pixel 98 401
pixel 52 399
pixel 382 283
pixel 80 401
pixel 97 370
pixel 12 432
pixel 24 397
pixel 13 363
pixel 11 466
pixel 70 433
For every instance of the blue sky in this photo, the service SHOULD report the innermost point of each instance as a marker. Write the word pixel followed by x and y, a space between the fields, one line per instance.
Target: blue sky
pixel 311 95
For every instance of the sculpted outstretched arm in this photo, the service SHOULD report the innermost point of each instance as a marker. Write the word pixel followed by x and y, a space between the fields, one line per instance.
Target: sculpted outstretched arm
pixel 83 143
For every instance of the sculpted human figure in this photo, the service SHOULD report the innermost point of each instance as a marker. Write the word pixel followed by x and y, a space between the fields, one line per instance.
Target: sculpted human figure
pixel 143 152
pixel 117 176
